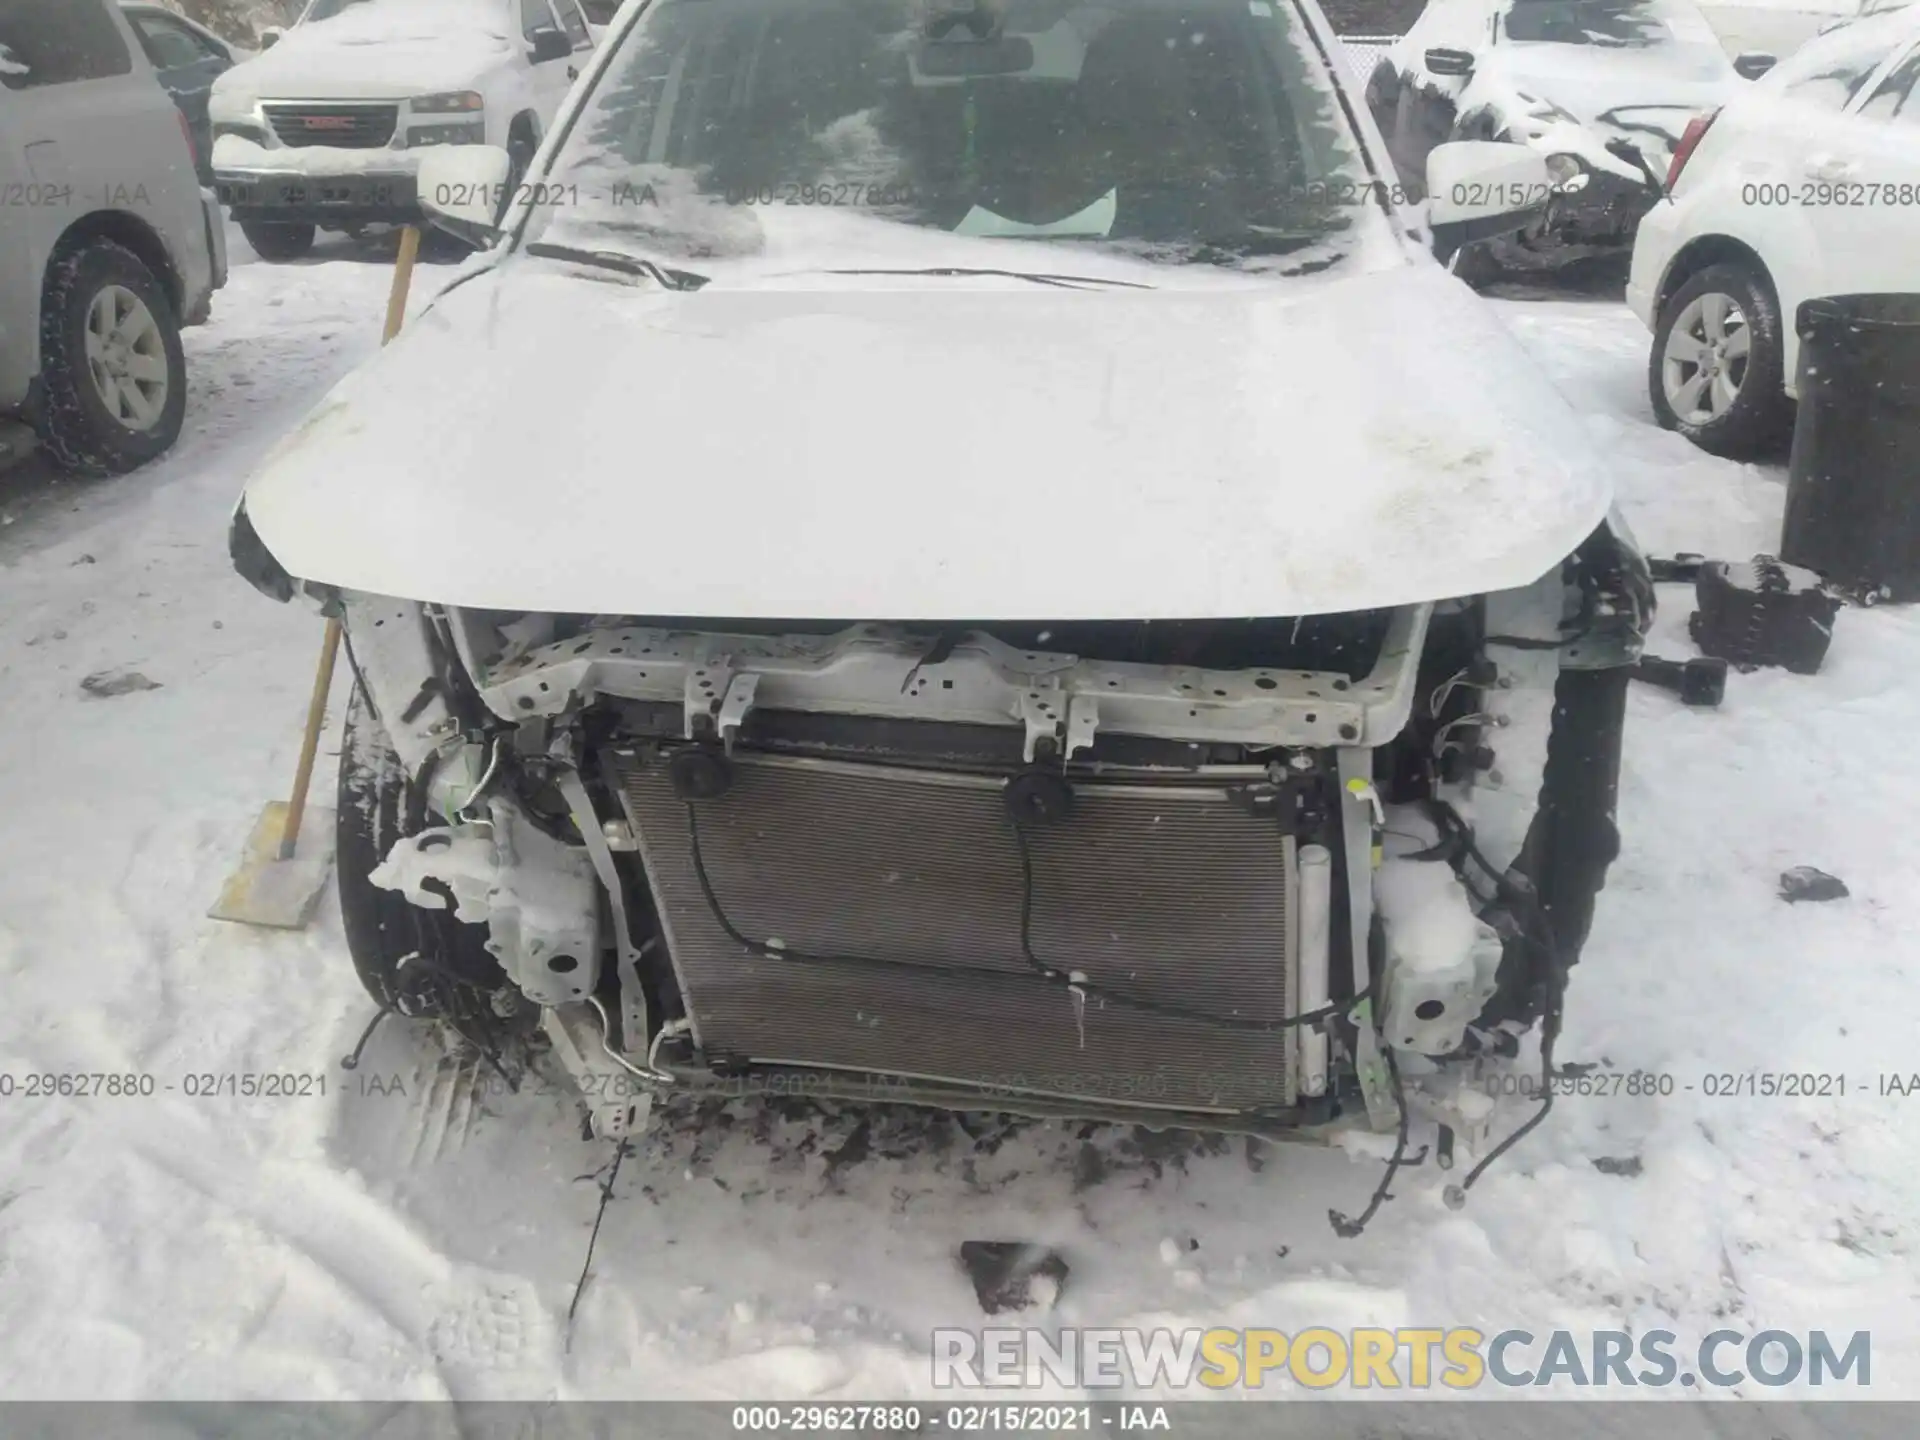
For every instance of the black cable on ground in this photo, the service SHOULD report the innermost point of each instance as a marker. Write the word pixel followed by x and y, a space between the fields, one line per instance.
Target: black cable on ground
pixel 1349 1229
pixel 351 1061
pixel 606 1198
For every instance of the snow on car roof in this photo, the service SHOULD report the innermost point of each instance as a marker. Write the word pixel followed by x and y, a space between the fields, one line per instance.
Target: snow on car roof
pixel 1873 32
pixel 386 18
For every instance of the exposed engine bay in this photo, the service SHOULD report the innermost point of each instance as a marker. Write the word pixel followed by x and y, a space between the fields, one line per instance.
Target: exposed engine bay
pixel 1265 875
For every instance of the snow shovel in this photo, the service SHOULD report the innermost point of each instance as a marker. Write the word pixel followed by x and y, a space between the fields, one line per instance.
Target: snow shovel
pixel 290 851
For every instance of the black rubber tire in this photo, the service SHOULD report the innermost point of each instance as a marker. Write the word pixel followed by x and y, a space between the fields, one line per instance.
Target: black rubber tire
pixel 375 808
pixel 1474 266
pixel 79 432
pixel 276 241
pixel 438 247
pixel 1760 421
pixel 1383 95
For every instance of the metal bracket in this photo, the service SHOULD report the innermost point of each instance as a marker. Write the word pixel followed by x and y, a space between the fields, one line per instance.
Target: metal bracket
pixel 534 894
pixel 734 706
pixel 633 1000
pixel 1083 720
pixel 617 1101
pixel 1295 800
pixel 1459 1107
pixel 1043 712
pixel 884 672
pixel 706 686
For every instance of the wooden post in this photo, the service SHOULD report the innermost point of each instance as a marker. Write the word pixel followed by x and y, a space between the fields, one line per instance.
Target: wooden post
pixel 330 646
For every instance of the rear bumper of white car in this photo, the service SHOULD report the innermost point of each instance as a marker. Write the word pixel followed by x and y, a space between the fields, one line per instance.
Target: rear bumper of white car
pixel 201 280
pixel 216 236
pixel 1599 219
pixel 1654 245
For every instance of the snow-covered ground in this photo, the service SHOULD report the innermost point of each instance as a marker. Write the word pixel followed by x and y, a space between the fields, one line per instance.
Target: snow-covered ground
pixel 426 1243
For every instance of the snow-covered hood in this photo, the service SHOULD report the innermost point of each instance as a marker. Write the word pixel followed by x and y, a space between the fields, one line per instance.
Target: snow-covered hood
pixel 1643 95
pixel 540 441
pixel 351 58
pixel 1589 80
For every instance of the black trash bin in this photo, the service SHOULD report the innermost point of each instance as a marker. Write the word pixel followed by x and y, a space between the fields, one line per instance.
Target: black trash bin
pixel 1853 497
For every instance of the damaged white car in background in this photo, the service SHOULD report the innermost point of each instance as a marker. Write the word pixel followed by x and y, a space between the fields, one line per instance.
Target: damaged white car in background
pixel 983 565
pixel 1605 88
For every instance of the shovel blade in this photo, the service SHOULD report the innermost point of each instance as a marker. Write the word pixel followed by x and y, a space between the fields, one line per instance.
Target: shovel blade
pixel 268 891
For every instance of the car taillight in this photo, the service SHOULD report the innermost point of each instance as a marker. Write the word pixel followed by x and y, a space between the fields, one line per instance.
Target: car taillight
pixel 1689 141
pixel 186 134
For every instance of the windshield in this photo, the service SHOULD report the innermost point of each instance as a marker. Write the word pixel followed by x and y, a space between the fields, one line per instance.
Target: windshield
pixel 1610 23
pixel 1180 130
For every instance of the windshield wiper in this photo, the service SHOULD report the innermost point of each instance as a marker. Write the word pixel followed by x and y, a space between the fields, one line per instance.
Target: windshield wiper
pixel 614 260
pixel 1233 251
pixel 1065 282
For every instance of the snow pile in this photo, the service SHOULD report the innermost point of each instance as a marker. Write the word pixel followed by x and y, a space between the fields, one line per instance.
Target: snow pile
pixel 1424 904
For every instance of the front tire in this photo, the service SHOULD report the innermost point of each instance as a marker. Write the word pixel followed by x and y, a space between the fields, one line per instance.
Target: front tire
pixel 113 375
pixel 278 241
pixel 1474 266
pixel 1715 373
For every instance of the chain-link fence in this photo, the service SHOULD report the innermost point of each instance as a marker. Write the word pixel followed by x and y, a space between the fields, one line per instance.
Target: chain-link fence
pixel 1363 52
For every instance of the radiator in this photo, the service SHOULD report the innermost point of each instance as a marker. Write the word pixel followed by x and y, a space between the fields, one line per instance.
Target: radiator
pixel 913 882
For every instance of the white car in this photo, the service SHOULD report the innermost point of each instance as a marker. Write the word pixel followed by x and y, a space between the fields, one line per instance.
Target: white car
pixel 1869 8
pixel 108 245
pixel 1569 78
pixel 1807 185
pixel 1026 532
pixel 325 129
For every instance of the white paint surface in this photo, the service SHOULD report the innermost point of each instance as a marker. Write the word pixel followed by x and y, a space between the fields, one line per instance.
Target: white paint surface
pixel 540 440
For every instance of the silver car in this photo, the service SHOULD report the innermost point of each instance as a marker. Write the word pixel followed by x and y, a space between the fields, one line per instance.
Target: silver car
pixel 108 245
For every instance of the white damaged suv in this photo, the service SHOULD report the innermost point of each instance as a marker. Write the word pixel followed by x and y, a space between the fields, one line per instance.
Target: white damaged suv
pixel 972 557
pixel 325 129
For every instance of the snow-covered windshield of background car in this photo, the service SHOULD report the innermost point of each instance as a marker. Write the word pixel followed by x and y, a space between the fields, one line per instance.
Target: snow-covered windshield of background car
pixel 1590 22
pixel 1182 130
pixel 328 9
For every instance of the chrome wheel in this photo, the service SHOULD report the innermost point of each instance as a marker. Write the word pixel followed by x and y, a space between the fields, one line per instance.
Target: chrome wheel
pixel 1704 362
pixel 127 358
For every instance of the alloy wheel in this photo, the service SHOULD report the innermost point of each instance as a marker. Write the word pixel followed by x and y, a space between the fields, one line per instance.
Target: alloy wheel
pixel 1704 361
pixel 127 358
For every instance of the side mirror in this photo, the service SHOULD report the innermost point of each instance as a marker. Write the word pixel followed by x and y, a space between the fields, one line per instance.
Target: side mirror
pixel 462 189
pixel 1441 61
pixel 271 37
pixel 1477 189
pixel 547 43
pixel 1752 64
